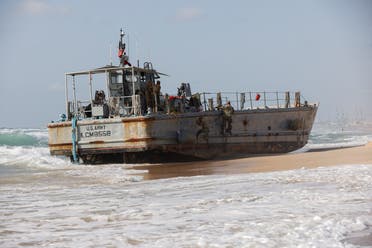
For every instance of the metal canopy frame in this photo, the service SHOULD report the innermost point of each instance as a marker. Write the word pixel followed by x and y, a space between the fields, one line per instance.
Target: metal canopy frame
pixel 102 70
pixel 112 68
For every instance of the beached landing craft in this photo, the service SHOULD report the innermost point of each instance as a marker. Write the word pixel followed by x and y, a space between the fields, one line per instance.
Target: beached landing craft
pixel 131 121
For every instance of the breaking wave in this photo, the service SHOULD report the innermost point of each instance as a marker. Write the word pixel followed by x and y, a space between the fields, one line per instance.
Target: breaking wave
pixel 37 157
pixel 23 137
pixel 27 148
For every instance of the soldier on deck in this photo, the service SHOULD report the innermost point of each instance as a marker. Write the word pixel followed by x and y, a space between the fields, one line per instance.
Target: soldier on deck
pixel 228 111
pixel 150 96
pixel 157 88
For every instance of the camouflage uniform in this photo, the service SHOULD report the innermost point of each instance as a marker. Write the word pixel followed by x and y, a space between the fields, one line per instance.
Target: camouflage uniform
pixel 228 111
pixel 150 94
pixel 157 88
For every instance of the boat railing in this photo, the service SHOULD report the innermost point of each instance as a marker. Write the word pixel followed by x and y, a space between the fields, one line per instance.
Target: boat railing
pixel 125 106
pixel 113 106
pixel 252 100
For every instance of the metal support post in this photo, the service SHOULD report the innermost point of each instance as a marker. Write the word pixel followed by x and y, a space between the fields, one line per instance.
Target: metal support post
pixel 74 94
pixel 277 99
pixel 287 99
pixel 237 100
pixel 133 92
pixel 219 100
pixel 250 99
pixel 66 96
pixel 107 84
pixel 242 100
pixel 205 103
pixel 91 90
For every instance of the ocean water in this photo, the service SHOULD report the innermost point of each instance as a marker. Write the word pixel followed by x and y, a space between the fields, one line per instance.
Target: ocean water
pixel 46 201
pixel 333 135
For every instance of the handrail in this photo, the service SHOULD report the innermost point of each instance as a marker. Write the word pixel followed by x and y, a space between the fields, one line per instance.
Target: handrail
pixel 123 106
pixel 117 106
pixel 255 99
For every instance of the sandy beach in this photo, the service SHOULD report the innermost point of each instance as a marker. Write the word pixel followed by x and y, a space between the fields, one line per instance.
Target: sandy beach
pixel 318 158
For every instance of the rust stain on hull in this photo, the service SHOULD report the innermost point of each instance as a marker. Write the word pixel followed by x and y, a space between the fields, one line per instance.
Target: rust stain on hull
pixel 140 139
pixel 97 142
pixel 61 124
pixel 138 119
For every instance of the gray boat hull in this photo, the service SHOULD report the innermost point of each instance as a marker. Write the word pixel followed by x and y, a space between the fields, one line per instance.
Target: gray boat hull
pixel 179 137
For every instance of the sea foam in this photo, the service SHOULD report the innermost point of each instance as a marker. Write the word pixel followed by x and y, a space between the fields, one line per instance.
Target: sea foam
pixel 298 208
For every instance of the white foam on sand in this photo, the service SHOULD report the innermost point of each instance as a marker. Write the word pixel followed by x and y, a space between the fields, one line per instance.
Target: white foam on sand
pixel 298 208
pixel 43 165
pixel 107 174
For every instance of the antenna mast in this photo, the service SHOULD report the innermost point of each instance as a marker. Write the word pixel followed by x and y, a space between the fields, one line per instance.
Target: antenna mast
pixel 122 55
pixel 110 54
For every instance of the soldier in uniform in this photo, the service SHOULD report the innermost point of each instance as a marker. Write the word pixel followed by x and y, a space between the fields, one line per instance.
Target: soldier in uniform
pixel 157 88
pixel 228 111
pixel 203 132
pixel 149 96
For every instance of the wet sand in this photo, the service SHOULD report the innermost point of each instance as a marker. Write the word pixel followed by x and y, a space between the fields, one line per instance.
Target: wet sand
pixel 360 240
pixel 266 163
pixel 315 158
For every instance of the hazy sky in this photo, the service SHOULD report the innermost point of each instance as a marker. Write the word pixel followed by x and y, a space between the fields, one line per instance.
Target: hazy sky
pixel 322 48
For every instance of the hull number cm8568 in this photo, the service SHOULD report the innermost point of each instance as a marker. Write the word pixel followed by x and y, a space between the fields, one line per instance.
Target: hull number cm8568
pixel 95 131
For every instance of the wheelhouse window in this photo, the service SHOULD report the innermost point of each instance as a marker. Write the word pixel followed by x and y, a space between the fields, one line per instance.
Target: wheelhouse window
pixel 116 78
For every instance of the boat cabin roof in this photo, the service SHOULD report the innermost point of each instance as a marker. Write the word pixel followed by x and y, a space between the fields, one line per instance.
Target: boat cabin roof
pixel 112 68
